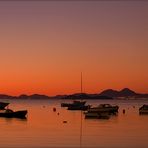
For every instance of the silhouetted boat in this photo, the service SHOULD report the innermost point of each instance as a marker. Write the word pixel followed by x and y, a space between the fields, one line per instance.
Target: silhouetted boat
pixel 104 108
pixel 74 103
pixel 143 109
pixel 103 111
pixel 8 113
pixel 78 107
pixel 3 105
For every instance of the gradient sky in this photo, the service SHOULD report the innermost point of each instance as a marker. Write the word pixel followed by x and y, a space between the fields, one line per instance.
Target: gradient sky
pixel 44 46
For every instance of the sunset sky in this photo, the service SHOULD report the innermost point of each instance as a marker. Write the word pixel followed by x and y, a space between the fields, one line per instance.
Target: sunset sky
pixel 44 46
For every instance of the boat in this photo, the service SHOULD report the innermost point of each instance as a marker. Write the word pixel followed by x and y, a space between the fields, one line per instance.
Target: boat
pixel 102 111
pixel 3 105
pixel 8 113
pixel 143 109
pixel 74 103
pixel 78 107
pixel 104 108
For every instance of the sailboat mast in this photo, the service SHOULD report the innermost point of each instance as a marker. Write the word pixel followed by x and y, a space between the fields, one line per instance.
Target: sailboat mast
pixel 81 84
pixel 81 114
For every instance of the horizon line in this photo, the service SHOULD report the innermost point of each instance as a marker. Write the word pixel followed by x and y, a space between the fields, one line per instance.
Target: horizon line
pixel 29 94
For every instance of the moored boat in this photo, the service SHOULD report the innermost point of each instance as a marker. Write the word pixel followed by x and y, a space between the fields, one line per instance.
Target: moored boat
pixel 8 113
pixel 78 107
pixel 143 109
pixel 74 103
pixel 104 108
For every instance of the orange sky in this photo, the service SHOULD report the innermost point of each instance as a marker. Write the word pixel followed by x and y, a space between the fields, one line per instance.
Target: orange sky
pixel 44 46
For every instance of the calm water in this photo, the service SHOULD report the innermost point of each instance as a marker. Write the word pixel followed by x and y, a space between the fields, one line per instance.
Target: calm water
pixel 44 128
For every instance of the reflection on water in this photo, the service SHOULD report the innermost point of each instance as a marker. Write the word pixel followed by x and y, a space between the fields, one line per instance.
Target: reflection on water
pixel 12 119
pixel 45 128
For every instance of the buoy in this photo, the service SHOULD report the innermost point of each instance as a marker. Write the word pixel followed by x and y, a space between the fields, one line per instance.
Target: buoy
pixel 123 111
pixel 64 121
pixel 54 109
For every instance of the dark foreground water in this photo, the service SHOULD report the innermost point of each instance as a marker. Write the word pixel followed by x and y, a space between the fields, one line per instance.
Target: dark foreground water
pixel 44 128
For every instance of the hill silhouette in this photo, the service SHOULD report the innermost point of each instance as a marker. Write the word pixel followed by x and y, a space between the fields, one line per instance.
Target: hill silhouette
pixel 87 96
pixel 106 94
pixel 126 92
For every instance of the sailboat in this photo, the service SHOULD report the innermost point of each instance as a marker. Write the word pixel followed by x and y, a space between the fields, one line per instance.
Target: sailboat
pixel 79 105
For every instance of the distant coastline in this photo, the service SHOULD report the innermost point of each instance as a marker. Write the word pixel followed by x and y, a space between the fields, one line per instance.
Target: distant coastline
pixel 106 94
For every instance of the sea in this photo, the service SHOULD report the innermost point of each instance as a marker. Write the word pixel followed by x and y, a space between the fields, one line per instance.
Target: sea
pixel 45 128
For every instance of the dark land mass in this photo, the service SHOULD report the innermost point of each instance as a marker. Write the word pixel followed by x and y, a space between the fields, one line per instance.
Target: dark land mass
pixel 106 94
pixel 87 96
pixel 126 92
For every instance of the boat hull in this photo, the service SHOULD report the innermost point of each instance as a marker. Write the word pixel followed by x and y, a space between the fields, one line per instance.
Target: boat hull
pixel 142 112
pixel 73 107
pixel 16 114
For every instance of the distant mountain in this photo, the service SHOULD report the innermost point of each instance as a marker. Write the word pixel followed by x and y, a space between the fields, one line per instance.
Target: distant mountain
pixel 73 96
pixel 106 94
pixel 126 92
pixel 110 92
pixel 3 96
pixel 34 96
pixel 87 96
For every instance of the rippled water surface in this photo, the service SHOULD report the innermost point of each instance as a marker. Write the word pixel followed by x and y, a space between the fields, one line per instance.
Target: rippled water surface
pixel 44 128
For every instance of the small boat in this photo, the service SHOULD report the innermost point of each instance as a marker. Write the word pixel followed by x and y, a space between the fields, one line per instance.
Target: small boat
pixel 74 103
pixel 78 107
pixel 143 109
pixel 3 105
pixel 104 108
pixel 8 113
